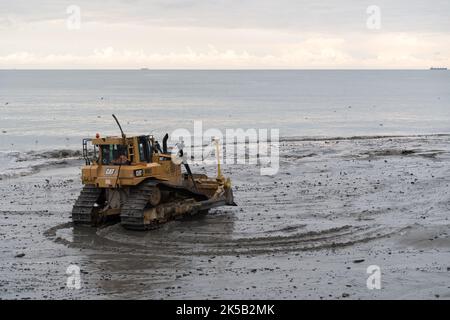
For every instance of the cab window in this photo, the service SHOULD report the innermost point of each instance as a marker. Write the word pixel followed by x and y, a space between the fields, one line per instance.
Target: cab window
pixel 144 150
pixel 114 154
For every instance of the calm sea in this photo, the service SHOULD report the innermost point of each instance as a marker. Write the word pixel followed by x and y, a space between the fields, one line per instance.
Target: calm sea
pixel 55 109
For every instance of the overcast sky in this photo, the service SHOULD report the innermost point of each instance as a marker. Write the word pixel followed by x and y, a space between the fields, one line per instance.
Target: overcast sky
pixel 206 34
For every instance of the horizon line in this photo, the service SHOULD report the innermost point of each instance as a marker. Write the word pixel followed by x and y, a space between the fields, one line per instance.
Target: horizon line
pixel 221 69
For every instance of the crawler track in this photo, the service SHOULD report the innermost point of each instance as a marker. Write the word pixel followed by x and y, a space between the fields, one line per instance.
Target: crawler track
pixel 132 213
pixel 135 212
pixel 82 210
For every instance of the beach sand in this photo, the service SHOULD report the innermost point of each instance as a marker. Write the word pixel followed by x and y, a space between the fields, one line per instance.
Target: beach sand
pixel 335 208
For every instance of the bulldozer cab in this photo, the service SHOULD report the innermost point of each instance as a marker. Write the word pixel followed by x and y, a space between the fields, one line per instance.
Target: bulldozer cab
pixel 113 151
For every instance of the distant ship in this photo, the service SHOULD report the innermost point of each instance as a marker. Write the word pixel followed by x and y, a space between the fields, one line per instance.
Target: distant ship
pixel 440 68
pixel 144 69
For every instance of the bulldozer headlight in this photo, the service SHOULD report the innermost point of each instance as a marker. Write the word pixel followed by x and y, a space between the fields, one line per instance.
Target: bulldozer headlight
pixel 139 173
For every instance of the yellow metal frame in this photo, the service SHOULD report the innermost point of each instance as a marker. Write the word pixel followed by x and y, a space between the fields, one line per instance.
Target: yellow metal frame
pixel 112 176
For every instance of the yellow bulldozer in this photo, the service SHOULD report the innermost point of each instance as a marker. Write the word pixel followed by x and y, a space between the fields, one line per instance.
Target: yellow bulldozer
pixel 137 180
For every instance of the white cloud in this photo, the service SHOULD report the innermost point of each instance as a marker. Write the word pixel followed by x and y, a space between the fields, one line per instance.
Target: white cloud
pixel 397 50
pixel 224 34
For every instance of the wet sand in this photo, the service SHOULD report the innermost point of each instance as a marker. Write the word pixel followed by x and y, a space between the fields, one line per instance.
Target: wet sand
pixel 336 207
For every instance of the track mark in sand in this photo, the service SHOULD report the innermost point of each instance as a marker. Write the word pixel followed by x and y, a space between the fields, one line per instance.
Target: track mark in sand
pixel 308 241
pixel 85 237
pixel 206 244
pixel 172 242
